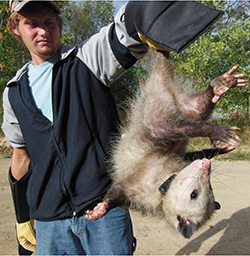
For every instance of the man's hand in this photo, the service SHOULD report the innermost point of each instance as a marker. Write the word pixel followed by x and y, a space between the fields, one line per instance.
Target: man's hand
pixel 223 83
pixel 26 235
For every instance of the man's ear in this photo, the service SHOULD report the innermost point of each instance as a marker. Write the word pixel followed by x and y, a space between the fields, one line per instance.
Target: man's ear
pixel 13 28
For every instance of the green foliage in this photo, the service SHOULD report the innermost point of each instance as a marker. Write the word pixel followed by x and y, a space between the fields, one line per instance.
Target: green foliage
pixel 213 54
pixel 83 19
pixel 12 53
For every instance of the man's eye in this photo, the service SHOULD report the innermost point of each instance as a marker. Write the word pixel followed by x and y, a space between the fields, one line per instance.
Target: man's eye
pixel 32 24
pixel 49 23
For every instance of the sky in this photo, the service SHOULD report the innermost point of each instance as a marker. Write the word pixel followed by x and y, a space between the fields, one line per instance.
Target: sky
pixel 117 4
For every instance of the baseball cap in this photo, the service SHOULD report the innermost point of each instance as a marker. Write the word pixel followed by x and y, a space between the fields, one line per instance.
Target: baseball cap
pixel 17 5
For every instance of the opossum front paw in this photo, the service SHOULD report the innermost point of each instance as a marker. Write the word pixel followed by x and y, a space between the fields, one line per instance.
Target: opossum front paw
pixel 224 135
pixel 98 212
pixel 226 81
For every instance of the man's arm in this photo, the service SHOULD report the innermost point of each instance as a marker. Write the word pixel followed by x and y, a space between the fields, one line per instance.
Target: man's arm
pixel 19 163
pixel 110 52
pixel 19 176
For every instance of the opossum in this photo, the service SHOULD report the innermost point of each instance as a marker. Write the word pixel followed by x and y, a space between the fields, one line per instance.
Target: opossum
pixel 152 172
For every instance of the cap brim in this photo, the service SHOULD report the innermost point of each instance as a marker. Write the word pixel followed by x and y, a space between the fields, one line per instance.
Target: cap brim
pixel 19 6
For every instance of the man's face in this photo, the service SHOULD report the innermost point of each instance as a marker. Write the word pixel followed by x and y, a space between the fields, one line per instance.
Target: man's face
pixel 41 35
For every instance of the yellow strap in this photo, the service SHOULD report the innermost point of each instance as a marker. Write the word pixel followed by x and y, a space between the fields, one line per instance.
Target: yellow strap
pixel 151 44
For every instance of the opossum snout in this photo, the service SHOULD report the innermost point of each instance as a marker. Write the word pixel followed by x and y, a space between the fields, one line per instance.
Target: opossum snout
pixel 185 227
pixel 201 167
pixel 206 166
pixel 201 164
pixel 206 163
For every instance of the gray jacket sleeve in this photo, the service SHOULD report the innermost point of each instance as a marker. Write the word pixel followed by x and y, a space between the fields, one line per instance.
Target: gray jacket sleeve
pixel 10 124
pixel 112 51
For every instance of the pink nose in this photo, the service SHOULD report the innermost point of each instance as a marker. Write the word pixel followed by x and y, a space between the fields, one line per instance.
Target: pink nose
pixel 206 163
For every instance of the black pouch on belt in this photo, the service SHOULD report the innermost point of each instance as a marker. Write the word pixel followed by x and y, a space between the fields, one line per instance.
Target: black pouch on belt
pixel 18 190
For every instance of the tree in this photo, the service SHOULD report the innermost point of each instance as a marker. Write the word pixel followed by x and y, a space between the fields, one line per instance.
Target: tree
pixel 226 44
pixel 83 19
pixel 12 53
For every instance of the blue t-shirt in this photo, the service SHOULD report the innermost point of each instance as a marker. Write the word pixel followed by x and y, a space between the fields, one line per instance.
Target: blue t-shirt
pixel 40 82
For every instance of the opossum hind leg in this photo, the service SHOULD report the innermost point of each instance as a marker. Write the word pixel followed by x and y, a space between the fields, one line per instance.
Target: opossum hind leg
pixel 98 212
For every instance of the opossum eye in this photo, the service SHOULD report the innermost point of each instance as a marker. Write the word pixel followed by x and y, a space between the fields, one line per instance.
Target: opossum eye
pixel 194 194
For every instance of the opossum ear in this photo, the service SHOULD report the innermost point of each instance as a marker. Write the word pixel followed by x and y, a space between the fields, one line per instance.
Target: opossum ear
pixel 217 205
pixel 165 185
pixel 185 227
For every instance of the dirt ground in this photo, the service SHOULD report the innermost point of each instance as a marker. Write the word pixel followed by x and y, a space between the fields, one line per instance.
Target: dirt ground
pixel 226 234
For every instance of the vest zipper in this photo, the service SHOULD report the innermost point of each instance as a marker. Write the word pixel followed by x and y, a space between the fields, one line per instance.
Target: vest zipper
pixel 64 190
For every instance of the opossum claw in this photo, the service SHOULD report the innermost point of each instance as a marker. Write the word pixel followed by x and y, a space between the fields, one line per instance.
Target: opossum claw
pixel 215 143
pixel 225 149
pixel 229 146
pixel 234 128
pixel 224 135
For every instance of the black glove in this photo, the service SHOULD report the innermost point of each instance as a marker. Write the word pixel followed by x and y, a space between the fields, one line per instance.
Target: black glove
pixel 170 25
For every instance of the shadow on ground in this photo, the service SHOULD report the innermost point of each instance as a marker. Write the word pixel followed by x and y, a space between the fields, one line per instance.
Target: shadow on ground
pixel 234 241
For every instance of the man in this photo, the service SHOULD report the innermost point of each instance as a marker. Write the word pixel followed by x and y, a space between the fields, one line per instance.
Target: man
pixel 60 118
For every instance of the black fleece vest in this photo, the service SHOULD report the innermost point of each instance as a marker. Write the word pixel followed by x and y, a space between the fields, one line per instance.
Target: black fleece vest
pixel 69 157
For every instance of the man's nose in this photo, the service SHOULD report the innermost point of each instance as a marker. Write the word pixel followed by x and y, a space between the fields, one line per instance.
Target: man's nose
pixel 42 30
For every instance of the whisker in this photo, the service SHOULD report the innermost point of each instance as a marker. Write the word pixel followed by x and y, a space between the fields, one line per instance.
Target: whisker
pixel 195 177
pixel 224 174
pixel 227 186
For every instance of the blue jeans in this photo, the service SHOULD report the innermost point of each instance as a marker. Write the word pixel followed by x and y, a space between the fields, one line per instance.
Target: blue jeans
pixel 110 235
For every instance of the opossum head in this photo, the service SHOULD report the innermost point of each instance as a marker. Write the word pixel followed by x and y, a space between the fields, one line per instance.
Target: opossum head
pixel 188 200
